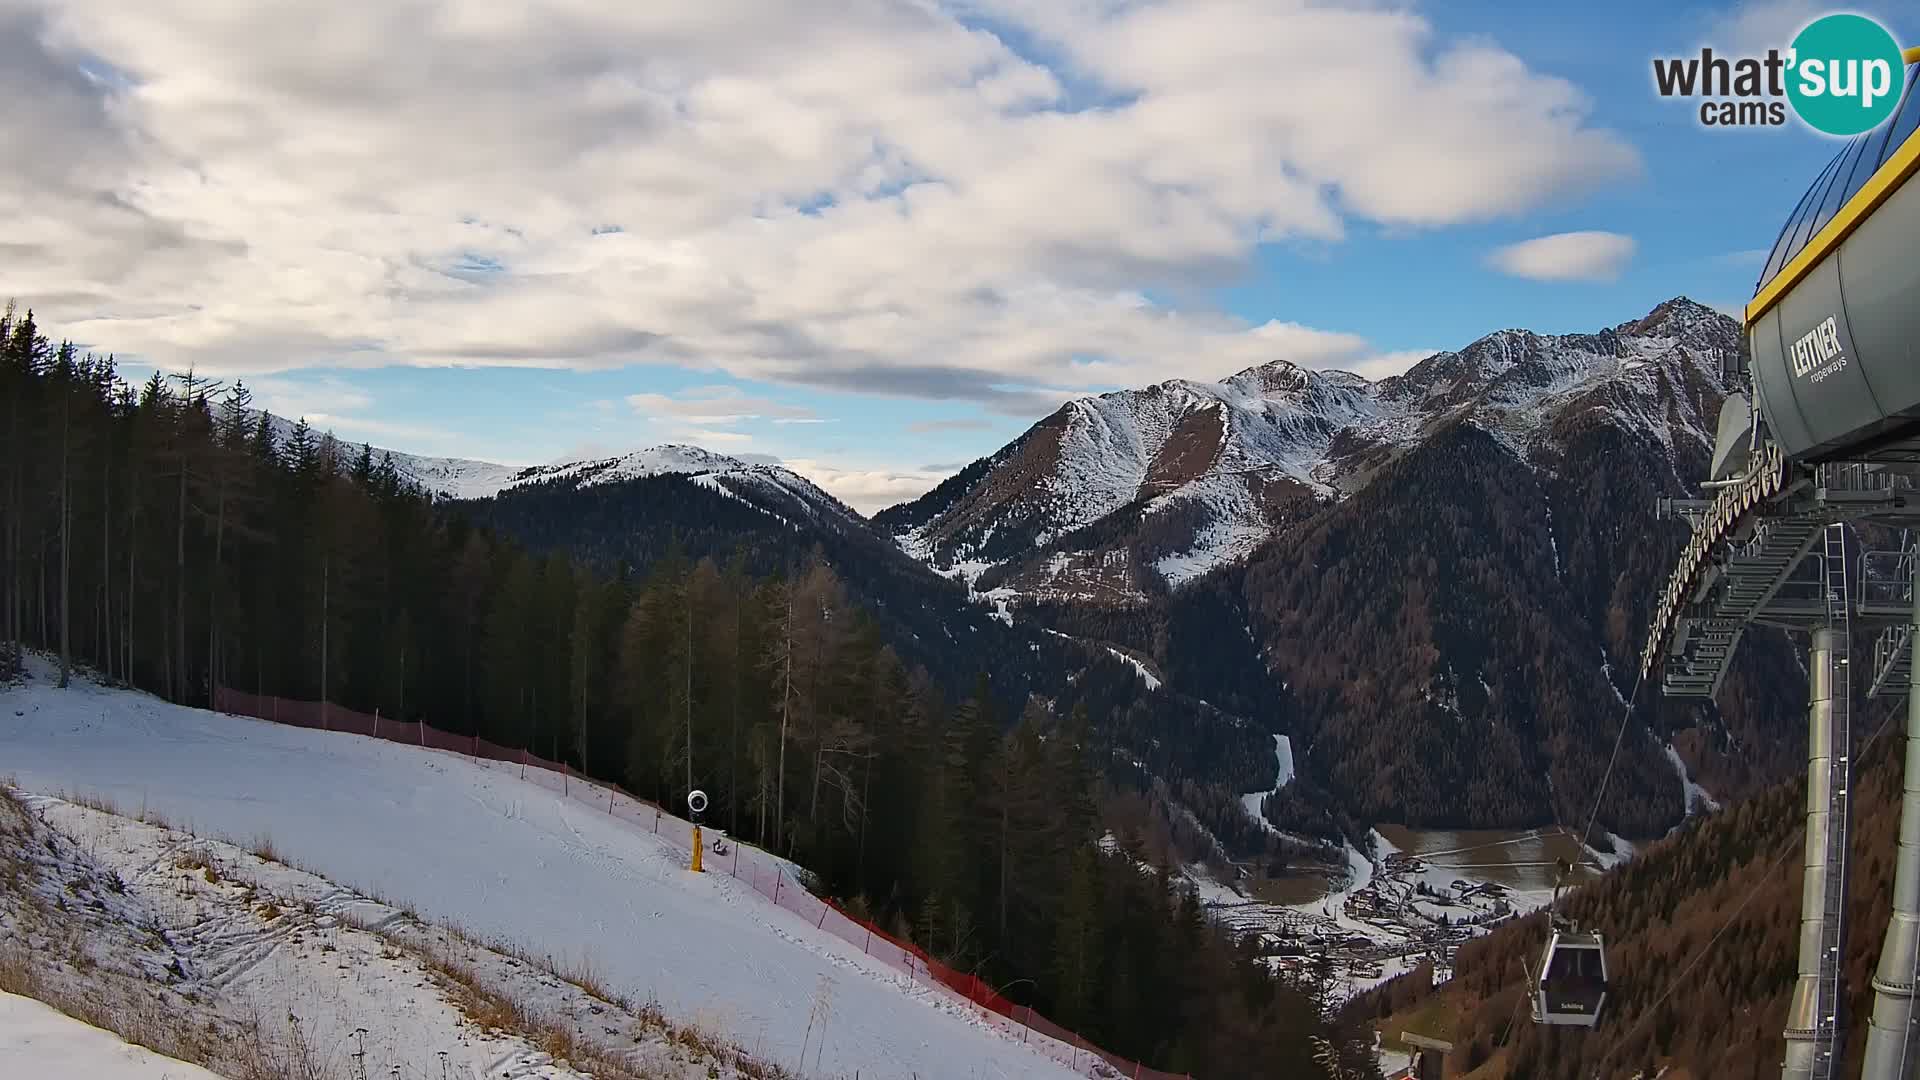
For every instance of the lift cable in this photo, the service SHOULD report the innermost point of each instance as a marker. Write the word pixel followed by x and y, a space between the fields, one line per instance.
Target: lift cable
pixel 1612 759
pixel 1726 924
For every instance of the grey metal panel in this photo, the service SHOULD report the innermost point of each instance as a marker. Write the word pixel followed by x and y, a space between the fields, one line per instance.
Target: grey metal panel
pixel 1843 177
pixel 1880 272
pixel 1733 441
pixel 1832 394
pixel 1773 381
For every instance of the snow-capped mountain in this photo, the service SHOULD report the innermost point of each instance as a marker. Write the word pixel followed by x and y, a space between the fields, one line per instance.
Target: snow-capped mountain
pixel 766 486
pixel 1121 494
pixel 773 489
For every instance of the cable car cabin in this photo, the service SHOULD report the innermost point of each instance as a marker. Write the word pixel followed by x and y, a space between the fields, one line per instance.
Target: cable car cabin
pixel 1573 980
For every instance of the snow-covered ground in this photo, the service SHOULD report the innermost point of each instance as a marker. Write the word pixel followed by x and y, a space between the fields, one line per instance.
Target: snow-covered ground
pixel 1698 799
pixel 37 1041
pixel 1283 756
pixel 1139 668
pixel 283 970
pixel 508 861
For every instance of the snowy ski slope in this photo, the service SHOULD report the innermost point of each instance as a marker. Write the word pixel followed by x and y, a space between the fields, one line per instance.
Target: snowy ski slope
pixel 37 1041
pixel 508 860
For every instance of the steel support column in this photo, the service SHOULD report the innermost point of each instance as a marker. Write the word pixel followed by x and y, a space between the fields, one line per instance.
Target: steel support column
pixel 1805 1027
pixel 1893 1051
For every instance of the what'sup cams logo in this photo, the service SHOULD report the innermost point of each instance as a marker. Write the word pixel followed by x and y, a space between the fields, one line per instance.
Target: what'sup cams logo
pixel 1842 75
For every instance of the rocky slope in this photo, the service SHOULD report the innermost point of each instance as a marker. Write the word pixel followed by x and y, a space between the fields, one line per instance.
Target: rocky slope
pixel 1430 583
pixel 1120 496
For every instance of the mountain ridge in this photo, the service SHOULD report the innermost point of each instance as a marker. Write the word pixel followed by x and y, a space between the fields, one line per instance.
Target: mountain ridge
pixel 1223 464
pixel 1235 542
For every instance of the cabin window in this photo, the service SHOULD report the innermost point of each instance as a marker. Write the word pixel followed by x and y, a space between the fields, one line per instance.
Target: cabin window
pixel 1803 230
pixel 1845 182
pixel 1783 249
pixel 1575 965
pixel 1903 125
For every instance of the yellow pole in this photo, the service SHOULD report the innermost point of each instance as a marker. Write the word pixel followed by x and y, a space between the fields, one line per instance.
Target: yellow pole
pixel 1912 56
pixel 696 849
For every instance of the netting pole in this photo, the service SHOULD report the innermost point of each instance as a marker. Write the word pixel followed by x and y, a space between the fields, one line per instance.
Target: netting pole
pixel 776 887
pixel 823 918
pixel 867 945
pixel 376 721
pixel 736 858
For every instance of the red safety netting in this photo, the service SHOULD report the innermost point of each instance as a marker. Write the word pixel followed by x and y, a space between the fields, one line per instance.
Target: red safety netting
pixel 771 876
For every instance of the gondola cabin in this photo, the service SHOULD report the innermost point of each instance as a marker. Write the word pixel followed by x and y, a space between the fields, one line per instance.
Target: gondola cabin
pixel 1572 986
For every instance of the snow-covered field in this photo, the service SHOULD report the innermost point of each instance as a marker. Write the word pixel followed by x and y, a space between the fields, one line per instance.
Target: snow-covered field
pixel 508 861
pixel 38 1041
pixel 250 966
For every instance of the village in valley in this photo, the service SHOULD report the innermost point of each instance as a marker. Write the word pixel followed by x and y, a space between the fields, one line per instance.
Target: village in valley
pixel 1382 917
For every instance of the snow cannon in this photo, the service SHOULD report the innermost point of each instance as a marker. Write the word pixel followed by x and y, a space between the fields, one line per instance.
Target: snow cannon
pixel 1834 324
pixel 696 805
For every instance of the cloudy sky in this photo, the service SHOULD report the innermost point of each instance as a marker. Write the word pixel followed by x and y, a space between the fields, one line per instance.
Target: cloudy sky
pixel 873 238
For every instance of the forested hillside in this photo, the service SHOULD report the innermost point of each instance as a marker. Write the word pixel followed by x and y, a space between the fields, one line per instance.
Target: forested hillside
pixel 1168 747
pixel 1446 624
pixel 1702 929
pixel 164 536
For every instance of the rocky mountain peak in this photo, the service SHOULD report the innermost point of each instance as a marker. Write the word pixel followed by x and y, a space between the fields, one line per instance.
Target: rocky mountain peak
pixel 1132 490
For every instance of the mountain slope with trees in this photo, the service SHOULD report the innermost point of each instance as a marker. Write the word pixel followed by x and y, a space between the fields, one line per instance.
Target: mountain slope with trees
pixel 1453 571
pixel 167 537
pixel 1702 929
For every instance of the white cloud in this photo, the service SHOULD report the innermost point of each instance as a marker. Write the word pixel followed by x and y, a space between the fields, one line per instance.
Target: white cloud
pixel 1570 256
pixel 707 437
pixel 721 406
pixel 867 490
pixel 418 438
pixel 884 200
pixel 1393 363
pixel 294 398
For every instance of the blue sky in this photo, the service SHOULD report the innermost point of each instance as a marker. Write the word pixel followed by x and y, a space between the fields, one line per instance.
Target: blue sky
pixel 876 249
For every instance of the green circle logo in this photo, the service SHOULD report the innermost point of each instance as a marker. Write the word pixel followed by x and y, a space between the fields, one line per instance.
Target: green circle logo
pixel 1845 74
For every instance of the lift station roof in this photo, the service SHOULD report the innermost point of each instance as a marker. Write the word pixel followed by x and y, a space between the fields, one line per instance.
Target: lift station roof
pixel 1834 325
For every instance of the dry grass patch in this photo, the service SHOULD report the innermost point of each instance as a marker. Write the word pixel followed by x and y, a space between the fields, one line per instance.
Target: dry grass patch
pixel 195 859
pixel 262 848
pixel 17 975
pixel 486 1008
pixel 95 802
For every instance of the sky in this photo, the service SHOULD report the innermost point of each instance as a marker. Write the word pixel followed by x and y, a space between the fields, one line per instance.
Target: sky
pixel 873 239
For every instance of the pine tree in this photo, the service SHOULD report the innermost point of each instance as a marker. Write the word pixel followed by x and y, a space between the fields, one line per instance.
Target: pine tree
pixel 64 380
pixel 1076 959
pixel 508 650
